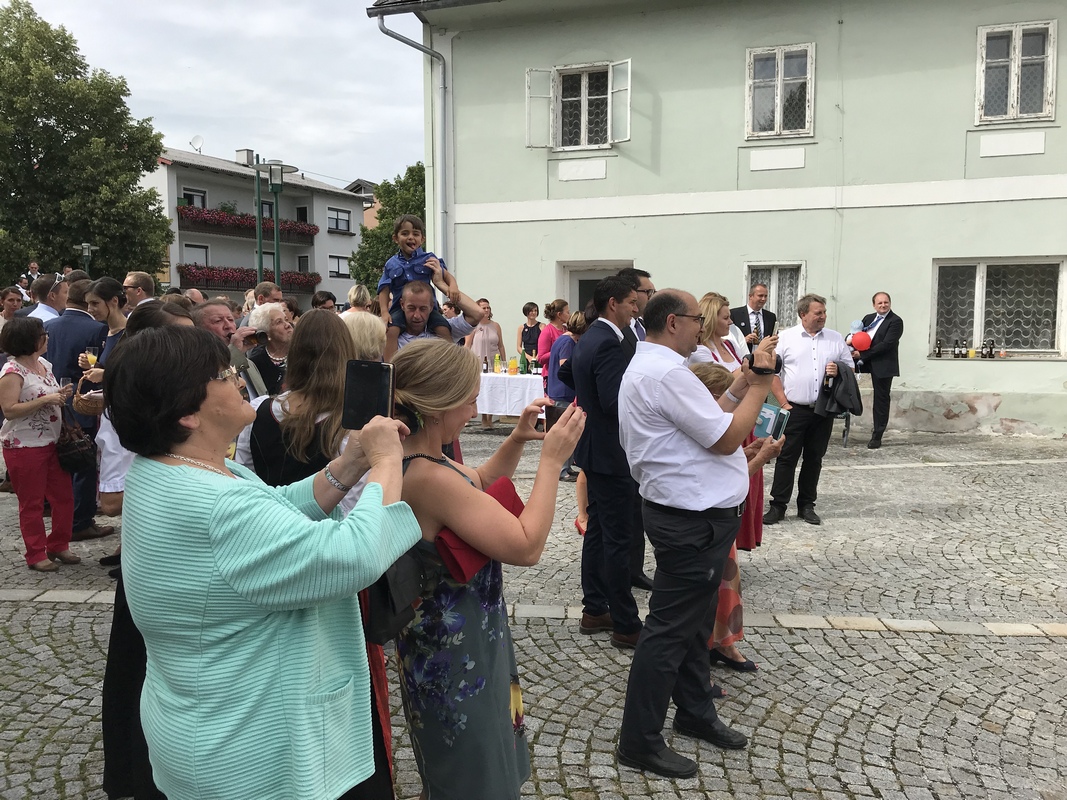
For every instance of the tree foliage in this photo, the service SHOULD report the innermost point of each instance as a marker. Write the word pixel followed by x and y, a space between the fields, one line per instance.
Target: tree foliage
pixel 405 194
pixel 71 156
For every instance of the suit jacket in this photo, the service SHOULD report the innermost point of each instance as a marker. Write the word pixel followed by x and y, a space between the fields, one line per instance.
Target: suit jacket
pixel 68 336
pixel 880 359
pixel 843 394
pixel 598 363
pixel 740 319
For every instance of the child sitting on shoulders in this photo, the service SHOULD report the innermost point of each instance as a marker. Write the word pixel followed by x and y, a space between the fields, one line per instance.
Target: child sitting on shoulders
pixel 412 263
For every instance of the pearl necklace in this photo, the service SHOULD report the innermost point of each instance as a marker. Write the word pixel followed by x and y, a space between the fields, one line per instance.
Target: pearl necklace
pixel 200 464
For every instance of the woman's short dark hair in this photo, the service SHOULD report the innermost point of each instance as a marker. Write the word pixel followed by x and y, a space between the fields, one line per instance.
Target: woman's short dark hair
pixel 21 336
pixel 155 379
pixel 526 309
pixel 322 297
pixel 108 289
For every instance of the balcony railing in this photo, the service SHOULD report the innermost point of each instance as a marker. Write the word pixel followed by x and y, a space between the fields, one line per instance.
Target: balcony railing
pixel 243 226
pixel 242 278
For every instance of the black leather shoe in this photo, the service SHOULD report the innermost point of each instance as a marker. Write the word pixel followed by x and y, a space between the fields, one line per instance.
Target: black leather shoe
pixel 874 443
pixel 774 515
pixel 808 515
pixel 717 733
pixel 641 581
pixel 568 477
pixel 666 762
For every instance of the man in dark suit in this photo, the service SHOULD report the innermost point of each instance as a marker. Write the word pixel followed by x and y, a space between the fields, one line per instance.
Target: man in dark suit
pixel 597 366
pixel 68 336
pixel 631 335
pixel 753 321
pixel 880 359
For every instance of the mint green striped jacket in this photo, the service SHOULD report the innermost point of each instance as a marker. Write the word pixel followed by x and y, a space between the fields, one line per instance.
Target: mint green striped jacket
pixel 257 683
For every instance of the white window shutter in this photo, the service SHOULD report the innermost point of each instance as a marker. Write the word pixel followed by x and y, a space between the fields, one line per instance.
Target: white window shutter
pixel 539 120
pixel 619 94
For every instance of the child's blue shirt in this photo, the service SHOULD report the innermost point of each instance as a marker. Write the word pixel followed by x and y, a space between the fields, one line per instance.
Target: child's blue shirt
pixel 400 271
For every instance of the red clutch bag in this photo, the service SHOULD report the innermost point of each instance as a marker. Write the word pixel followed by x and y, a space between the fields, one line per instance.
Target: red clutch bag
pixel 462 560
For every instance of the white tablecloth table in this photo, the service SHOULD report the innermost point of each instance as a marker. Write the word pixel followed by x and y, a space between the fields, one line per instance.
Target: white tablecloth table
pixel 507 395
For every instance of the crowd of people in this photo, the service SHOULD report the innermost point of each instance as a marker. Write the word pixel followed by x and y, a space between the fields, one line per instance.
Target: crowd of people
pixel 238 664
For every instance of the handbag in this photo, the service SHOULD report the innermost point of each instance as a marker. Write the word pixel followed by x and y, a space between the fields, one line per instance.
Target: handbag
pixel 75 450
pixel 91 404
pixel 391 598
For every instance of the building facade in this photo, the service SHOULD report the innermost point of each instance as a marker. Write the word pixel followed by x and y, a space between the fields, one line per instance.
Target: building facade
pixel 211 202
pixel 908 147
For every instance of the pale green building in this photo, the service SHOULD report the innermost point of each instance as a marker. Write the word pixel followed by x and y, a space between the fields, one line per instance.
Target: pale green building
pixel 839 148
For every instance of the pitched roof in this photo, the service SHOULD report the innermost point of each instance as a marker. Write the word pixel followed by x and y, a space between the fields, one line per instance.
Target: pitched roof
pixel 382 8
pixel 223 166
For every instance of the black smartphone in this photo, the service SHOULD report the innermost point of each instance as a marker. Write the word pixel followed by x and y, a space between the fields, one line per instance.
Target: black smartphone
pixel 368 393
pixel 779 424
pixel 552 415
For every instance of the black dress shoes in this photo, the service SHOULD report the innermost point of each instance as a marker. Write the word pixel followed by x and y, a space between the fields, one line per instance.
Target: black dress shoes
pixel 641 581
pixel 774 515
pixel 666 762
pixel 717 733
pixel 808 515
pixel 874 443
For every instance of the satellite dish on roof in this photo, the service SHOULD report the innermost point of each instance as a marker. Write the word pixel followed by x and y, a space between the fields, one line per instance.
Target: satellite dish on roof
pixel 197 142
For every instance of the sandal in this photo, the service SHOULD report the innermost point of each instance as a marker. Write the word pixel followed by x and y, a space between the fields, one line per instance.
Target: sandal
pixel 43 566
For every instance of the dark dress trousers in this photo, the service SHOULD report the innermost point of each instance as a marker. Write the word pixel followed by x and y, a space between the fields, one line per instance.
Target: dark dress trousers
pixel 68 336
pixel 881 361
pixel 739 316
pixel 597 364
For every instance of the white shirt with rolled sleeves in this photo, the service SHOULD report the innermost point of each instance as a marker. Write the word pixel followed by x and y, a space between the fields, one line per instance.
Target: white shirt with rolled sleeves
pixel 668 421
pixel 804 360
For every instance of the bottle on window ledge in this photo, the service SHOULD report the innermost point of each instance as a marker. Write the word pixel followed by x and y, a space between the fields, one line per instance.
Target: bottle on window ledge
pixel 937 349
pixel 956 348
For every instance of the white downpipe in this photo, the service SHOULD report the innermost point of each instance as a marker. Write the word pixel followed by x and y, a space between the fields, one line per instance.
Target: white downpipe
pixel 439 165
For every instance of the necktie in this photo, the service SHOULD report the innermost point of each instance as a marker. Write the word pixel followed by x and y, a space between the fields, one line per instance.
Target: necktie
pixel 640 330
pixel 757 328
pixel 874 322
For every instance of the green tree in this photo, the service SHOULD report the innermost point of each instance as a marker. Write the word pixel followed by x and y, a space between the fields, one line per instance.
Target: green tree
pixel 71 157
pixel 405 194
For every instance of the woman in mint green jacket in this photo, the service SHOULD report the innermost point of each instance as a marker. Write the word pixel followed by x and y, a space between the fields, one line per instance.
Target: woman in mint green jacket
pixel 257 682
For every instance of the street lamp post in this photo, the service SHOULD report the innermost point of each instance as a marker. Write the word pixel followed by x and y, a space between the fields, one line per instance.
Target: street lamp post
pixel 259 226
pixel 276 172
pixel 87 250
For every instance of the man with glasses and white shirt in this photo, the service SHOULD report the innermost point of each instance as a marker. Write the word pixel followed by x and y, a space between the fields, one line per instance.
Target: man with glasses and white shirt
pixel 809 354
pixel 140 288
pixel 685 451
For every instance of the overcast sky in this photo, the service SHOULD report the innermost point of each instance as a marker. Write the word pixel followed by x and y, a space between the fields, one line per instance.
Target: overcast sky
pixel 312 83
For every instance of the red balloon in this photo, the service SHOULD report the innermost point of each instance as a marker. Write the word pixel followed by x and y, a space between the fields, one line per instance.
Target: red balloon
pixel 861 341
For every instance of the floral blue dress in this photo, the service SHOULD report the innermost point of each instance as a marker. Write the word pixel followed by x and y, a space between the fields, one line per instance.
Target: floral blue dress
pixel 460 687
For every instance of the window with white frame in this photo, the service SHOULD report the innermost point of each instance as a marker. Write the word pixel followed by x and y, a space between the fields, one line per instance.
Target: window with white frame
pixel 339 267
pixel 578 107
pixel 781 91
pixel 338 219
pixel 785 285
pixel 195 197
pixel 1016 72
pixel 195 254
pixel 1015 302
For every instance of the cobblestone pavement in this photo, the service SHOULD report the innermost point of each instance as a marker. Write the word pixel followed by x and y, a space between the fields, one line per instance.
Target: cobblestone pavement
pixel 913 647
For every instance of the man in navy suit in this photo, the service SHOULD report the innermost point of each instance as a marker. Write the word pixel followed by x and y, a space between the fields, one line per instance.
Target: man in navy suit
pixel 68 336
pixel 880 359
pixel 753 320
pixel 597 367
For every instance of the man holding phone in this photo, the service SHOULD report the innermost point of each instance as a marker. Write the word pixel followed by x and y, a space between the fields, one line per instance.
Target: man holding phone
pixel 686 454
pixel 752 320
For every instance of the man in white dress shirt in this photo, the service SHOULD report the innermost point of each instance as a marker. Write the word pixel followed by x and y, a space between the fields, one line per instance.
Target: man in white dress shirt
pixel 684 450
pixel 809 354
